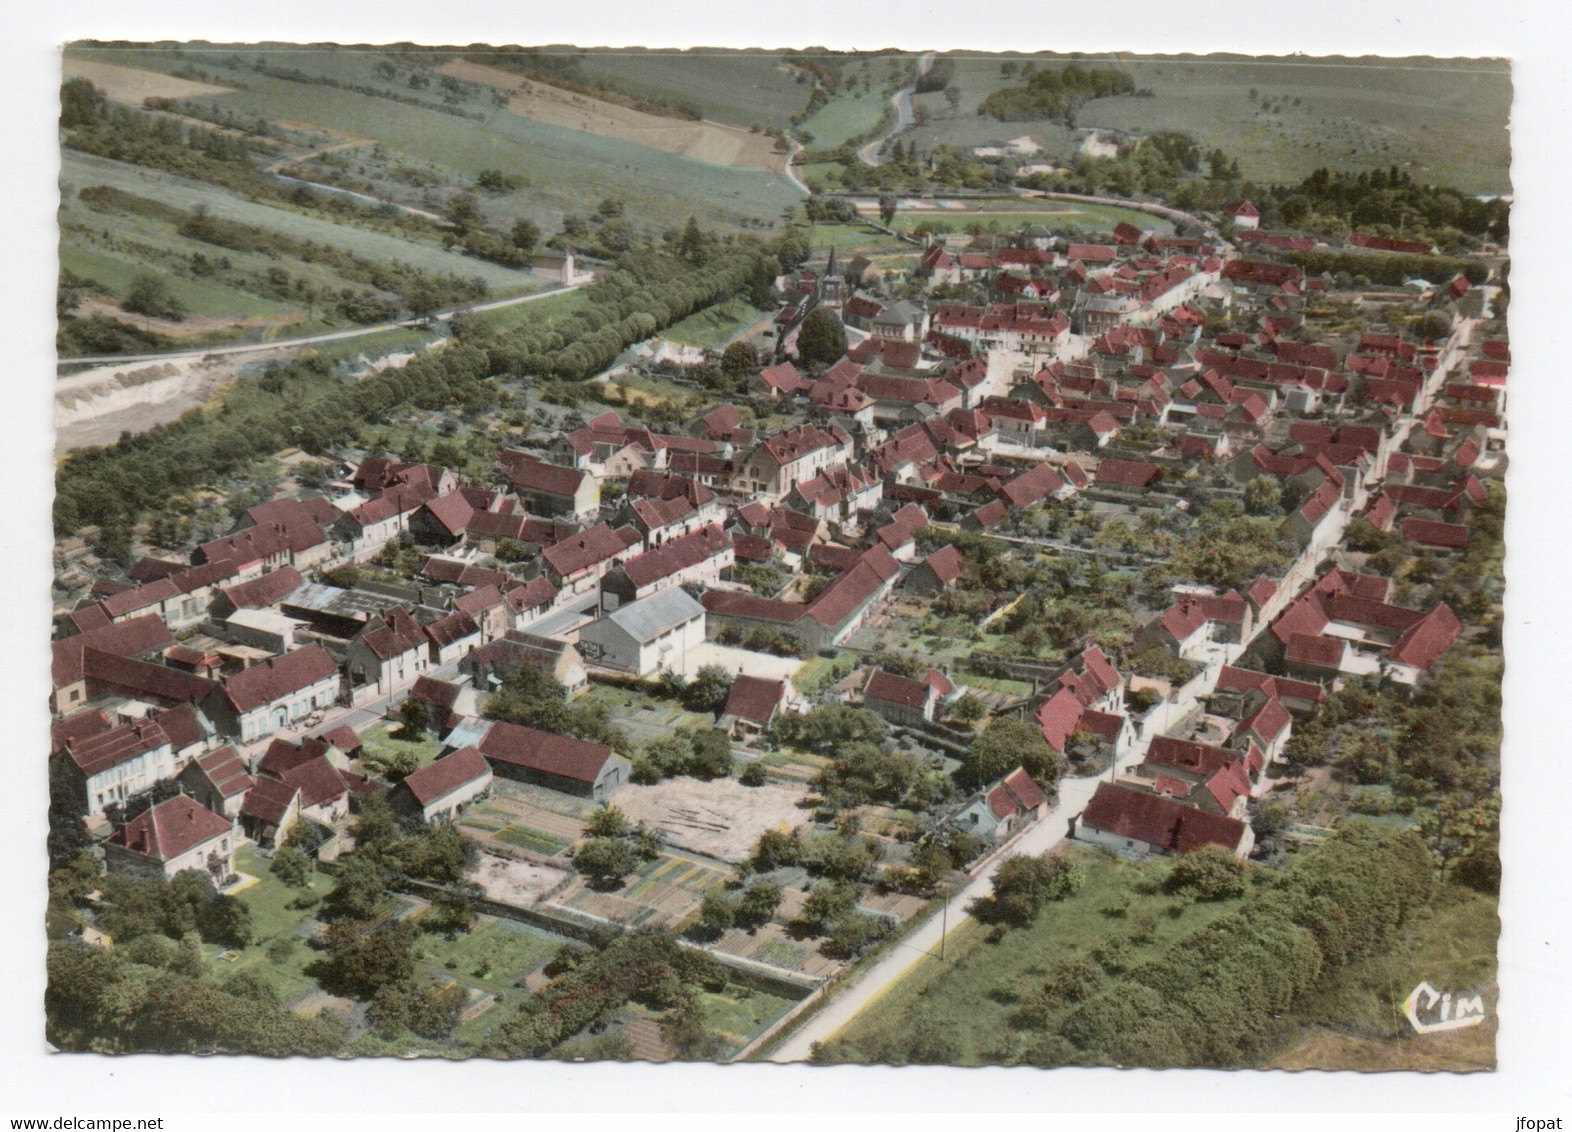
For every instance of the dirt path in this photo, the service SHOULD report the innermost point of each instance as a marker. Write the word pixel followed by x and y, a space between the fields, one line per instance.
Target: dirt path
pixel 192 326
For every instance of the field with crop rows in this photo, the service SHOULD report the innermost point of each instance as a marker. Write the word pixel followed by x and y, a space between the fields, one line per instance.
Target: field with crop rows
pixel 746 88
pixel 79 170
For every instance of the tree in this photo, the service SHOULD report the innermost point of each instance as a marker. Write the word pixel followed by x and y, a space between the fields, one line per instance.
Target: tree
pixel 887 202
pixel 463 211
pixel 1006 744
pixel 608 821
pixel 830 728
pixel 361 961
pixel 822 339
pixel 360 890
pixel 1210 873
pixel 756 905
pixel 690 245
pixel 525 235
pixel 292 867
pixel 1023 885
pixel 412 720
pixel 737 359
pixel 1432 325
pixel 706 692
pixel 711 754
pixel 969 710
pixel 1263 495
pixel 604 861
pixel 774 849
pixel 151 296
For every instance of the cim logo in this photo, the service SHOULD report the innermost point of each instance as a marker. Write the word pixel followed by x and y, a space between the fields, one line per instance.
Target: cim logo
pixel 1429 1010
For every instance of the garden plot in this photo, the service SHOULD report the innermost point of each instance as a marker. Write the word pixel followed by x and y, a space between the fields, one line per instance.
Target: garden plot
pixel 664 893
pixel 520 883
pixel 721 818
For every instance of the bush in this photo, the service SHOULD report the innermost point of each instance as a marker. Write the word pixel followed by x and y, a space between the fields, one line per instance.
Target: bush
pixel 604 861
pixel 1212 873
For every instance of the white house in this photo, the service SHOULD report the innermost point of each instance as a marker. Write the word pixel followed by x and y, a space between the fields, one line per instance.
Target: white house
pixel 645 635
pixel 175 836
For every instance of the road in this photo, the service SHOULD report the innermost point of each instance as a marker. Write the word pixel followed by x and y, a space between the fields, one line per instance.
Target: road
pixel 1124 202
pixel 314 339
pixel 902 102
pixel 1074 794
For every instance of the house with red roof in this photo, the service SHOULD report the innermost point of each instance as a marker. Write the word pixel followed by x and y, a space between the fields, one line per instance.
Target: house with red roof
pixel 132 639
pixel 177 835
pixel 1244 214
pixel 557 762
pixel 784 460
pixel 751 706
pixel 112 766
pixel 273 695
pixel 1000 812
pixel 218 780
pixel 939 571
pixel 1136 823
pixel 391 652
pixel 1219 780
pixel 900 699
pixel 698 558
pixel 550 490
pixel 439 790
pixel 577 564
pixel 1083 707
pixel 488 664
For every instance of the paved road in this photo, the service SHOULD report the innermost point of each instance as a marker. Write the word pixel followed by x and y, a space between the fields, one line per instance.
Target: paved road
pixel 902 101
pixel 335 336
pixel 1123 202
pixel 1074 794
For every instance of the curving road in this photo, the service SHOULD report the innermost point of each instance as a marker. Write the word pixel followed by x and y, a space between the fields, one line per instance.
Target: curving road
pixel 902 102
pixel 314 339
pixel 1162 210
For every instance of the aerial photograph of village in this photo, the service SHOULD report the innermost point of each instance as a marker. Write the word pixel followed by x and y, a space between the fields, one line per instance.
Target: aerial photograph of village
pixel 786 555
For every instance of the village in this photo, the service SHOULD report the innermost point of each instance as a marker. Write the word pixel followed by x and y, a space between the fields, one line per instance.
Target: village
pixel 1056 542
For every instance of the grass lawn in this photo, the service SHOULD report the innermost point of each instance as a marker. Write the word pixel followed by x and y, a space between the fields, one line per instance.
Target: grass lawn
pixel 819 671
pixel 994 684
pixel 972 995
pixel 540 310
pixel 713 326
pixel 846 238
pixel 197 296
pixel 377 741
pixel 272 918
pixel 372 346
pixel 845 116
pixel 493 956
pixel 738 1014
pixel 527 837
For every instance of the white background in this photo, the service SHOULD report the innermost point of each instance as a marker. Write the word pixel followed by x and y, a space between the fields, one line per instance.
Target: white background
pixel 1536 998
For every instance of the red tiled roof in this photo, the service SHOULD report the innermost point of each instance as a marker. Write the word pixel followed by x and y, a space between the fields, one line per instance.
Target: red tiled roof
pixel 754 699
pixel 1268 720
pixel 173 827
pixel 125 638
pixel 266 591
pixel 77 728
pixel 135 677
pixel 1422 643
pixel 888 688
pixel 1447 536
pixel 94 754
pixel 1158 822
pixel 1317 652
pixel 544 751
pixel 278 677
pixel 452 629
pixel 398 634
pixel 526 473
pixel 946 564
pixel 447 774
pixel 584 550
pixel 269 800
pixel 225 771
pixel 1127 473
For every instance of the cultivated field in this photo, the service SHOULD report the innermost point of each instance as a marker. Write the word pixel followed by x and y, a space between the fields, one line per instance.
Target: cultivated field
pixel 744 88
pixel 704 141
pixel 78 170
pixel 131 85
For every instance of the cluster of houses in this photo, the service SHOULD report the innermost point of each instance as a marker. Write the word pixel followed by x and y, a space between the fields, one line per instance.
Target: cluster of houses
pixel 615 548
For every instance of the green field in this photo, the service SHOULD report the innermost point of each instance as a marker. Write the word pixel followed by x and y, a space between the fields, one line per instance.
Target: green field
pixel 540 310
pixel 743 88
pixel 970 998
pixel 846 116
pixel 1006 214
pixel 565 170
pixel 200 297
pixel 738 1014
pixel 273 918
pixel 1444 120
pixel 714 326
pixel 378 741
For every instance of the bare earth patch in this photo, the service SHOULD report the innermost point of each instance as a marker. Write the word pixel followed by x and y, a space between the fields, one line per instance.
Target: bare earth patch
pixel 1452 1051
pixel 702 140
pixel 520 883
pixel 720 819
pixel 131 85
